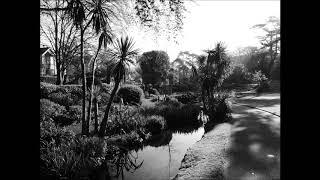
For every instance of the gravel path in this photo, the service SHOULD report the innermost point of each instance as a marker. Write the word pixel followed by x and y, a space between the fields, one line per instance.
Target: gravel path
pixel 249 148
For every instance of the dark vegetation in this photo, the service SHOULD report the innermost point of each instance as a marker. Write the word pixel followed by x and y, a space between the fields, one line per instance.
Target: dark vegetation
pixel 88 128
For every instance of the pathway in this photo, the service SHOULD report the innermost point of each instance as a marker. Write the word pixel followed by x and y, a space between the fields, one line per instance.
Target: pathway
pixel 247 149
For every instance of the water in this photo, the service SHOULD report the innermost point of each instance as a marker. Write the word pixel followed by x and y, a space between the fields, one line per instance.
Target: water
pixel 162 158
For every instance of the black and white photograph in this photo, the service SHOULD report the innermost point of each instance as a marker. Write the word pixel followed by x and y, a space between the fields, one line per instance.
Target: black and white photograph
pixel 160 89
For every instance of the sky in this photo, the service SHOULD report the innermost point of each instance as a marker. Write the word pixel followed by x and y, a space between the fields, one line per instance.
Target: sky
pixel 208 22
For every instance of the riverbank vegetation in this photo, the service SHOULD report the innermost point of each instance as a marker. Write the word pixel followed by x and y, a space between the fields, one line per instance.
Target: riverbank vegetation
pixel 110 98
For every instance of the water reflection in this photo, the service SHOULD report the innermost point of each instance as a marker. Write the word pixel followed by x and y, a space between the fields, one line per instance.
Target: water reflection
pixel 160 158
pixel 123 160
pixel 161 155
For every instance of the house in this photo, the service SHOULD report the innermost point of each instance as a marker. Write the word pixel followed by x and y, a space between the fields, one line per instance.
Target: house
pixel 47 62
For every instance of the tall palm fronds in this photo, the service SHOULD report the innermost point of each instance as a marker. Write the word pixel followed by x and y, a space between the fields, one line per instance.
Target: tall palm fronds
pixel 123 55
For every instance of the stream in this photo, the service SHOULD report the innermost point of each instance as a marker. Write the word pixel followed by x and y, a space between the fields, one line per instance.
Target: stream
pixel 160 159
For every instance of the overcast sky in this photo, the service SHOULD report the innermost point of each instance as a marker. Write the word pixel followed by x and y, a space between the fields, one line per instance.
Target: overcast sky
pixel 210 21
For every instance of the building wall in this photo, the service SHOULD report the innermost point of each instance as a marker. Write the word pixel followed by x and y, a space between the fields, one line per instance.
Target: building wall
pixel 47 65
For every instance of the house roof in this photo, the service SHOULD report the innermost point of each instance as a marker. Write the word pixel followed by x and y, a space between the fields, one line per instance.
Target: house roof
pixel 45 50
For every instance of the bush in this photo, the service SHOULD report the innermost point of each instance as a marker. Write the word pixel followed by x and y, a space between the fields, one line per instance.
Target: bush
pixel 258 77
pixel 63 95
pixel 46 89
pixel 263 87
pixel 72 157
pixel 153 91
pixel 49 109
pixel 131 94
pixel 220 108
pixel 103 98
pixel 130 140
pixel 239 74
pixel 65 99
pixel 155 124
pixel 185 87
pixel 75 112
pixel 51 134
pixel 186 98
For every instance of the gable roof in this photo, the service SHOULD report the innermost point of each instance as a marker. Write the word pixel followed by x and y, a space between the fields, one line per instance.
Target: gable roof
pixel 45 50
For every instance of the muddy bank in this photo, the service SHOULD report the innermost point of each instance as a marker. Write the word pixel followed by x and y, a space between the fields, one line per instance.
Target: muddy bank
pixel 207 158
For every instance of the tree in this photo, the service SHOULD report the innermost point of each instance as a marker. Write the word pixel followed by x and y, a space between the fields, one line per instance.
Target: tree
pixel 60 33
pixel 212 71
pixel 184 66
pixel 123 54
pixel 154 66
pixel 87 12
pixel 271 39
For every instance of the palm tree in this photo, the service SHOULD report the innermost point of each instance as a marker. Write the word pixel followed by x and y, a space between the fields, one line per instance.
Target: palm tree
pixel 96 12
pixel 123 55
pixel 213 70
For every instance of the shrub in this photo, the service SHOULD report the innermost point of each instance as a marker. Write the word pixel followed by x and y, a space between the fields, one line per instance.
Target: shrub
pixel 263 87
pixel 220 108
pixel 131 94
pixel 258 77
pixel 103 98
pixel 155 124
pixel 65 99
pixel 153 91
pixel 186 115
pixel 46 89
pixel 63 95
pixel 239 74
pixel 49 109
pixel 130 140
pixel 69 159
pixel 51 134
pixel 186 98
pixel 75 112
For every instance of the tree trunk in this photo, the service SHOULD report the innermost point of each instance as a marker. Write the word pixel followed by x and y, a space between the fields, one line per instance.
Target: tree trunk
pixel 85 129
pixel 92 88
pixel 58 64
pixel 96 108
pixel 106 113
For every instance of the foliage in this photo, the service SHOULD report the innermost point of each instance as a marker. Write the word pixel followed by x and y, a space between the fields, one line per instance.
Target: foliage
pixel 259 77
pixel 131 94
pixel 219 108
pixel 155 124
pixel 63 155
pixel 184 87
pixel 213 70
pixel 154 66
pixel 270 41
pixel 239 74
pixel 49 109
pixel 64 99
pixel 186 98
pixel 153 91
pixel 129 141
pixel 174 112
pixel 70 93
pixel 123 120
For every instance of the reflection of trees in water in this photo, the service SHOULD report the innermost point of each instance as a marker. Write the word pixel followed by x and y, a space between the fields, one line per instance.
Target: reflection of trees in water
pixel 123 159
pixel 160 139
pixel 187 129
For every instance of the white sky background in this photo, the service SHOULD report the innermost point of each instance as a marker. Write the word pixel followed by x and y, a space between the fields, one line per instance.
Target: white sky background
pixel 208 22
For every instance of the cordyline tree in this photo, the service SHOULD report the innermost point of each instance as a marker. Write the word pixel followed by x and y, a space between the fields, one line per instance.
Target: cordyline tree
pixel 96 13
pixel 211 72
pixel 84 14
pixel 122 55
